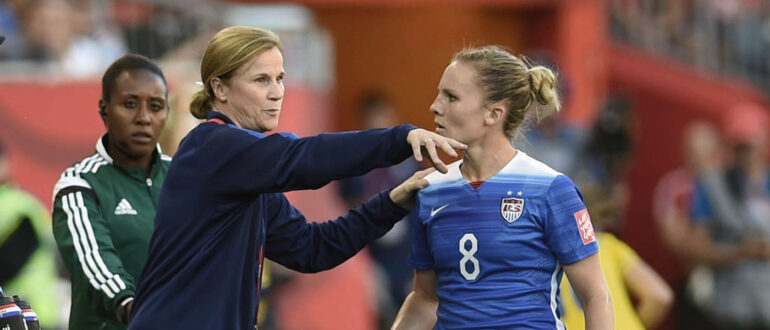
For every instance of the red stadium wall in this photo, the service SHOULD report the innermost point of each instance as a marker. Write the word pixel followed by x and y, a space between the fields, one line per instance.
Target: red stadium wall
pixel 46 127
pixel 402 50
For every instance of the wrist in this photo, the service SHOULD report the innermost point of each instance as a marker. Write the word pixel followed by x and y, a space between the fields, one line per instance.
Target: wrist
pixel 123 311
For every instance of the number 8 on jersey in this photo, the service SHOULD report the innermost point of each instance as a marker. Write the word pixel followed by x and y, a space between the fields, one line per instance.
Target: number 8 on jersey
pixel 468 257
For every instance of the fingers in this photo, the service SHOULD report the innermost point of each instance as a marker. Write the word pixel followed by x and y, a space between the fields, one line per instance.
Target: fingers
pixel 417 181
pixel 457 145
pixel 446 145
pixel 420 183
pixel 416 146
pixel 441 167
pixel 419 178
pixel 419 138
pixel 423 173
pixel 430 147
pixel 404 194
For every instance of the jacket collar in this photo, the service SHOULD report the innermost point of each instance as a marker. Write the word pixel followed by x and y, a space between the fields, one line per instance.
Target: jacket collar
pixel 102 150
pixel 218 115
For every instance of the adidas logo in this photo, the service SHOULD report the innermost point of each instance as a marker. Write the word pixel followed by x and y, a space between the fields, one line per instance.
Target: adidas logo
pixel 124 208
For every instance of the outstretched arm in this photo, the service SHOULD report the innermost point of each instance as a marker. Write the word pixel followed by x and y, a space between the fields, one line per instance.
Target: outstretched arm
pixel 313 247
pixel 419 308
pixel 242 163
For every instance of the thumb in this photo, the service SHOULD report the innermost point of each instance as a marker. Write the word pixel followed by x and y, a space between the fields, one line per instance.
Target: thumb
pixel 421 183
pixel 424 173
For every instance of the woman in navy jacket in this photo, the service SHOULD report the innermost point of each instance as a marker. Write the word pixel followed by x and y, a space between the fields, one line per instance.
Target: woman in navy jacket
pixel 222 210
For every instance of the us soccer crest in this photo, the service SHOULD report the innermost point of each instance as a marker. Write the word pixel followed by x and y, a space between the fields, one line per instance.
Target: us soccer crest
pixel 511 208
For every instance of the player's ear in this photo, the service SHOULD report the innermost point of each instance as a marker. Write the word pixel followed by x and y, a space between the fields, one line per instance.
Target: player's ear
pixel 495 113
pixel 218 87
pixel 103 111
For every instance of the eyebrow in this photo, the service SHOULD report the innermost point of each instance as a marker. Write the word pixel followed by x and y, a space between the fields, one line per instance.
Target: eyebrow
pixel 447 90
pixel 283 73
pixel 138 97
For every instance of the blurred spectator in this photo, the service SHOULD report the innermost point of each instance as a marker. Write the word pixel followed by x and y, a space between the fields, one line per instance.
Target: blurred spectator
pixel 554 143
pixel 389 252
pixel 640 297
pixel 27 266
pixel 671 207
pixel 724 36
pixel 63 33
pixel 153 29
pixel 15 46
pixel 732 230
pixel 608 150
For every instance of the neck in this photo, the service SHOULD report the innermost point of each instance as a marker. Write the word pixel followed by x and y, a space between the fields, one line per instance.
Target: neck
pixel 485 158
pixel 143 162
pixel 224 109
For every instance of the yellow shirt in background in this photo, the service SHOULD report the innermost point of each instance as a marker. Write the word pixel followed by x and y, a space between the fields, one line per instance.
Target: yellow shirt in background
pixel 616 258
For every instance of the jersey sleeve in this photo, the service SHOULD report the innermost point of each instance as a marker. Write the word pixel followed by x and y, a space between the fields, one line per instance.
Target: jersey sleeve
pixel 701 209
pixel 419 257
pixel 568 229
pixel 84 241
pixel 312 247
pixel 242 163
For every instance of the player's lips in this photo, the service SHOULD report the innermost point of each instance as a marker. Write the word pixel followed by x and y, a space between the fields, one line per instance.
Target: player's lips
pixel 272 112
pixel 439 126
pixel 141 137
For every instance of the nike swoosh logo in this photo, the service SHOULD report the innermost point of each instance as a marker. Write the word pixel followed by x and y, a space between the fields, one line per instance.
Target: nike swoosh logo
pixel 434 211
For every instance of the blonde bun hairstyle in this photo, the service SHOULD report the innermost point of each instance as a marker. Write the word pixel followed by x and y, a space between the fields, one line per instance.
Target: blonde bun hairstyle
pixel 529 91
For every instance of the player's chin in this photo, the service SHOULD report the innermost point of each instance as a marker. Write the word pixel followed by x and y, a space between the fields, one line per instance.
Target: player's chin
pixel 447 133
pixel 440 130
pixel 270 124
pixel 142 150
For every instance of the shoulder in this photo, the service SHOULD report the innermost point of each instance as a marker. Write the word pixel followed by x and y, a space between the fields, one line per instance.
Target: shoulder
pixel 525 166
pixel 439 180
pixel 537 177
pixel 214 137
pixel 80 174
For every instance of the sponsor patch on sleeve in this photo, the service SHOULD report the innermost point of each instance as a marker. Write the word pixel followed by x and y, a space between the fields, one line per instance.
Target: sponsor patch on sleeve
pixel 584 226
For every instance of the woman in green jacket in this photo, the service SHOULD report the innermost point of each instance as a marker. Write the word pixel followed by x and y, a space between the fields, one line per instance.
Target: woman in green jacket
pixel 104 205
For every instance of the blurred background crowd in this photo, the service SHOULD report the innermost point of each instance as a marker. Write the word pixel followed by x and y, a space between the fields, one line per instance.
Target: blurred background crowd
pixel 664 128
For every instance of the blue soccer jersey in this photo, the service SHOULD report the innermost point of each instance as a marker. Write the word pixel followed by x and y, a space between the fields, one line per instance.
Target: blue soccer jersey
pixel 498 250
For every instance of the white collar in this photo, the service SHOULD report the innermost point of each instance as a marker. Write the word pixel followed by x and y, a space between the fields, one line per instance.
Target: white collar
pixel 102 151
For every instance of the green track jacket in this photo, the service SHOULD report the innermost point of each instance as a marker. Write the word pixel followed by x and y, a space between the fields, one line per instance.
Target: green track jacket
pixel 103 218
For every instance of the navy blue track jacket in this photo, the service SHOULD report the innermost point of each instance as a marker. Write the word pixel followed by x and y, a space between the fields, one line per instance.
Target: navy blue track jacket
pixel 221 210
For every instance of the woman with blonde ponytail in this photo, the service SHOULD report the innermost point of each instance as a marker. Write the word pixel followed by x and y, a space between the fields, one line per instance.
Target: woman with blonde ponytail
pixel 493 237
pixel 222 209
